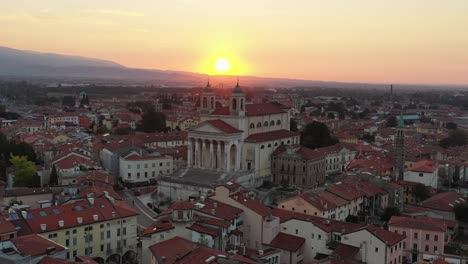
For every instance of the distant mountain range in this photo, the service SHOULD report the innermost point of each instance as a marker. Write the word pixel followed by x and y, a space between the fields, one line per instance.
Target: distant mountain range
pixel 49 67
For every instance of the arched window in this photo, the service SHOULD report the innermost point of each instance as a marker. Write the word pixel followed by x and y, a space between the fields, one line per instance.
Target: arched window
pixel 234 104
pixel 278 122
pixel 259 124
pixel 265 124
pixel 252 125
pixel 272 123
pixel 276 144
pixel 282 142
pixel 262 147
pixel 205 102
pixel 269 145
pixel 242 104
pixel 289 141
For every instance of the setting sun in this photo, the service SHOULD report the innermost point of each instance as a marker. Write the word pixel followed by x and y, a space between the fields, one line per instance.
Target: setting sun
pixel 222 65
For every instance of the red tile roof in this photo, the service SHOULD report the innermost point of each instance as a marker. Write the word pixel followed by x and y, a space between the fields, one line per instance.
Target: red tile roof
pixel 34 245
pixel 160 226
pixel 255 109
pixel 389 238
pixel 444 201
pixel 345 251
pixel 223 126
pixel 345 191
pixel 6 226
pixel 204 230
pixel 182 205
pixel 426 166
pixel 69 213
pixel 287 242
pixel 219 210
pixel 327 225
pixel 422 223
pixel 253 204
pixel 188 252
pixel 272 135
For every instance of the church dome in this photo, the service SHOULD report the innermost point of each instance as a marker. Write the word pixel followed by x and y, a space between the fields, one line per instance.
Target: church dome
pixel 237 89
pixel 208 88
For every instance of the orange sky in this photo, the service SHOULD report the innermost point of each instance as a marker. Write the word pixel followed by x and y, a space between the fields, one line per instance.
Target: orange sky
pixel 397 41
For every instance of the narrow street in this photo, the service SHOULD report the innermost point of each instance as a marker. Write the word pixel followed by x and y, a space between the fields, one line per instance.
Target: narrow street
pixel 146 215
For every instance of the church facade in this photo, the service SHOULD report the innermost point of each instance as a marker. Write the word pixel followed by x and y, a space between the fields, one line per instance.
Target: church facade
pixel 239 137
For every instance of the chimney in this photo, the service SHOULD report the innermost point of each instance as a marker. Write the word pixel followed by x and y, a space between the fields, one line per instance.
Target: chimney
pixel 61 223
pixel 91 200
pixel 24 214
pixel 43 227
pixel 213 211
pixel 113 214
pixel 215 205
pixel 260 252
pixel 95 217
pixel 79 220
pixel 163 259
pixel 50 249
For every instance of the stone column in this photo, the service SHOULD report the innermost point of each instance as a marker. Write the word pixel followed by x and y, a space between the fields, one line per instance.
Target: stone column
pixel 238 157
pixel 227 149
pixel 189 153
pixel 203 155
pixel 197 153
pixel 211 162
pixel 218 153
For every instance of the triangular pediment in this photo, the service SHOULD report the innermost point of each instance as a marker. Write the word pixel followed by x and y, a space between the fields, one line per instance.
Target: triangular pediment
pixel 205 127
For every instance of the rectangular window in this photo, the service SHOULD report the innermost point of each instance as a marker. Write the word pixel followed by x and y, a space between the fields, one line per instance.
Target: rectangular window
pixel 124 231
pixel 108 233
pixel 74 241
pixel 319 237
pixel 67 242
pixel 435 249
pixel 102 235
pixel 427 236
pixel 436 238
pixel 138 166
pixel 102 247
pixel 153 165
pixel 146 174
pixel 146 165
pixel 118 231
pixel 129 166
pixel 153 174
pixel 376 249
pixel 415 235
pixel 138 175
pixel 129 175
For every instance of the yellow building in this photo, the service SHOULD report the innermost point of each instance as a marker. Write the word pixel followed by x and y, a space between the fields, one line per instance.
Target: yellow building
pixel 102 228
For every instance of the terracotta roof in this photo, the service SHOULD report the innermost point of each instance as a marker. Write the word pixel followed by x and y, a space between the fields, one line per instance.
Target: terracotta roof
pixel 69 214
pixel 157 227
pixel 389 238
pixel 223 126
pixel 345 251
pixel 204 230
pixel 6 226
pixel 272 135
pixel 188 252
pixel 327 225
pixel 182 205
pixel 421 223
pixel 444 201
pixel 219 210
pixel 345 191
pixel 34 245
pixel 426 166
pixel 253 204
pixel 287 242
pixel 254 109
pixel 203 220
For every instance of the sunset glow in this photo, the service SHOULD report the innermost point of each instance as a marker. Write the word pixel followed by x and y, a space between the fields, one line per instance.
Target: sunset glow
pixel 420 41
pixel 222 65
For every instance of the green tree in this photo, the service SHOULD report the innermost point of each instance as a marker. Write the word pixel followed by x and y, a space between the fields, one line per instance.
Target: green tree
pixel 451 126
pixel 461 212
pixel 391 121
pixel 317 135
pixel 388 213
pixel 53 179
pixel 456 137
pixel 24 171
pixel 102 130
pixel 421 192
pixel 152 121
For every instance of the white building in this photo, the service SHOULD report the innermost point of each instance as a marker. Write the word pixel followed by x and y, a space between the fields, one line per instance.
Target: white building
pixel 238 137
pixel 135 167
pixel 425 172
pixel 61 118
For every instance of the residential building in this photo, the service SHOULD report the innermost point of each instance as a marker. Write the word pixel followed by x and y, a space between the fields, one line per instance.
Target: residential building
pixel 298 166
pixel 425 172
pixel 136 168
